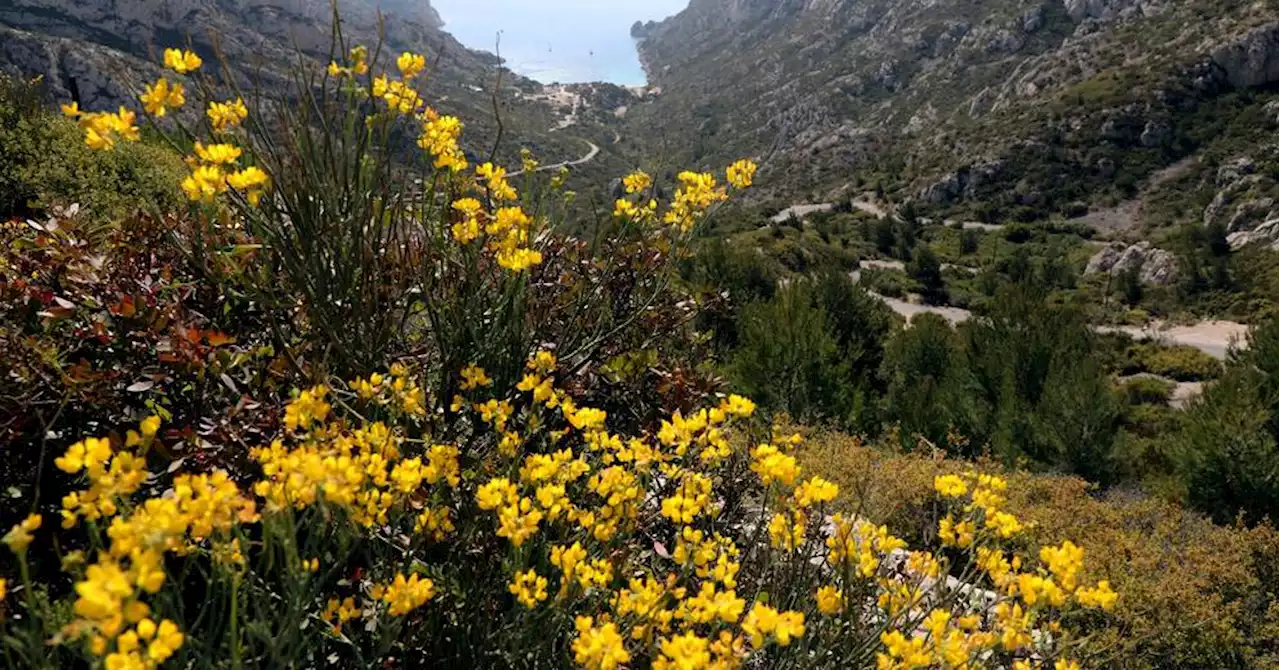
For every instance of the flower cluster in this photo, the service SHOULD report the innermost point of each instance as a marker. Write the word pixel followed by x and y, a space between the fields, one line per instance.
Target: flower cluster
pixel 554 506
pixel 695 196
pixel 102 129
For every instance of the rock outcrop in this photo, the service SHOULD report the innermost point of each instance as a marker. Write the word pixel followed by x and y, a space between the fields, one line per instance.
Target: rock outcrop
pixel 1251 59
pixel 1154 266
pixel 1059 93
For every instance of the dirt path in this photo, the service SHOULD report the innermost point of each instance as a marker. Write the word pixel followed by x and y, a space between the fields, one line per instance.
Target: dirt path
pixel 869 207
pixel 1128 214
pixel 953 315
pixel 1212 337
pixel 801 211
pixel 586 158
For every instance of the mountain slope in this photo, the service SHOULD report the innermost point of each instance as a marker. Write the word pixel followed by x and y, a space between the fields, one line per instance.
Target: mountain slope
pixel 1005 109
pixel 100 52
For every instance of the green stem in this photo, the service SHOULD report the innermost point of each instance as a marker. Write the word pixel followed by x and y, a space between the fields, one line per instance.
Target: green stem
pixel 235 621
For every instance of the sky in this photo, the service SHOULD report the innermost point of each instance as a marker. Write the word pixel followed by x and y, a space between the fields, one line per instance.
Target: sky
pixel 558 40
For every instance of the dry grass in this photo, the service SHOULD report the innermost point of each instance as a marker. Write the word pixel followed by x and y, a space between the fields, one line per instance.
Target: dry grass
pixel 1193 594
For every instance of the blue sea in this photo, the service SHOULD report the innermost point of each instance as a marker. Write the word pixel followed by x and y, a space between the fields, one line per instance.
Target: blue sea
pixel 558 41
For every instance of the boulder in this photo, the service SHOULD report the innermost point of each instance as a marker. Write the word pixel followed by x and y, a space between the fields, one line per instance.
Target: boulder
pixel 1154 266
pixel 1251 59
pixel 1269 231
pixel 1105 259
pixel 1153 134
pixel 1249 214
pixel 963 183
pixel 1004 41
pixel 1102 10
pixel 1234 169
pixel 1032 19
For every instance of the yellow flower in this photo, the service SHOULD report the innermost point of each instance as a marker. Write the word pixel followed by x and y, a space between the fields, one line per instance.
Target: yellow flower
pixel 4 586
pixel 909 652
pixel 495 493
pixel 72 110
pixel 405 595
pixel 410 64
pixel 955 534
pixel 496 181
pixel 518 260
pixel 158 97
pixel 740 173
pixel 830 600
pixel 529 588
pixel 20 536
pixel 598 647
pixel 88 454
pixel 204 183
pixel 815 491
pixel 217 153
pixel 637 181
pixel 684 651
pixel 950 486
pixel 150 426
pixel 1100 597
pixel 359 56
pixel 226 115
pixel 1064 562
pixel 774 466
pixel 168 640
pixel 473 376
pixel 181 61
pixel 763 621
pixel 689 499
pixel 1006 525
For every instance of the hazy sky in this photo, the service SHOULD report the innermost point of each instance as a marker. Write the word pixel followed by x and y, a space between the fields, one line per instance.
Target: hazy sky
pixel 558 40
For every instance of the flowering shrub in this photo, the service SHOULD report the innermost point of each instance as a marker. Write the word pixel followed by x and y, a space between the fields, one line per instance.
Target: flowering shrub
pixel 1194 594
pixel 533 537
pixel 380 228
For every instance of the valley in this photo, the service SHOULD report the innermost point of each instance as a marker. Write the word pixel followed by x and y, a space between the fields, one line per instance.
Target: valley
pixel 416 352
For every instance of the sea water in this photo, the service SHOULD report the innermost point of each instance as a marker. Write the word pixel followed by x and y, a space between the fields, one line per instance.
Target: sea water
pixel 557 41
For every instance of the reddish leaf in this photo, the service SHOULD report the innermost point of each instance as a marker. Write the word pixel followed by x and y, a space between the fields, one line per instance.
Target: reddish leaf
pixel 217 339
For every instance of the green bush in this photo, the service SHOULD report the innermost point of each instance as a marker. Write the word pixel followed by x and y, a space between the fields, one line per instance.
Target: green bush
pixel 1227 444
pixel 927 379
pixel 814 351
pixel 45 162
pixel 1147 390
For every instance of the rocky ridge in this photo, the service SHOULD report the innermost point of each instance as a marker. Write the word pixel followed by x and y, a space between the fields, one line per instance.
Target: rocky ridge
pixel 100 52
pixel 1023 107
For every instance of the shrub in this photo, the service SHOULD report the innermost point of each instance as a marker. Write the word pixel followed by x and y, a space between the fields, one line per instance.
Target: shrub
pixel 532 539
pixel 925 269
pixel 814 351
pixel 100 326
pixel 1227 444
pixel 1181 362
pixel 788 357
pixel 1041 384
pixel 1147 390
pixel 1193 594
pixel 46 162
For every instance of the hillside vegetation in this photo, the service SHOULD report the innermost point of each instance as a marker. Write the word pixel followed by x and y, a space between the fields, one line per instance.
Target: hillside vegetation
pixel 306 367
pixel 1012 109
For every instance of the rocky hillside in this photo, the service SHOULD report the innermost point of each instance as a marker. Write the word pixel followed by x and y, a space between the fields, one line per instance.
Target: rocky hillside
pixel 1022 109
pixel 99 52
